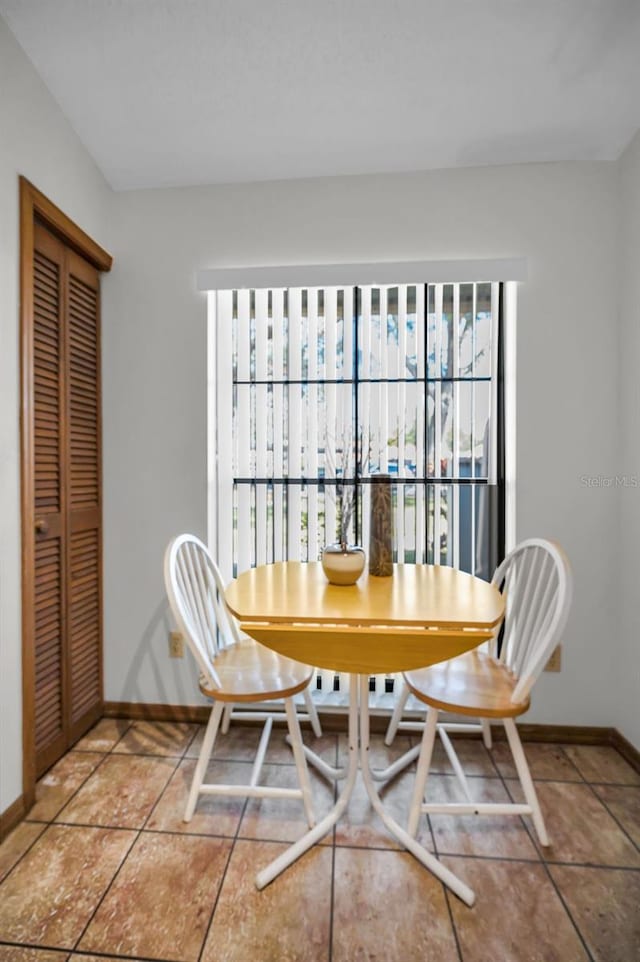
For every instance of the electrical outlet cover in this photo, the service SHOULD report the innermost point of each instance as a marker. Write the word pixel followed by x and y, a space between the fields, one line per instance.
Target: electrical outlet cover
pixel 176 644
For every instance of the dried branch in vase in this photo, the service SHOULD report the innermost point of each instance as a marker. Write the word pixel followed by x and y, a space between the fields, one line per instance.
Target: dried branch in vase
pixel 346 467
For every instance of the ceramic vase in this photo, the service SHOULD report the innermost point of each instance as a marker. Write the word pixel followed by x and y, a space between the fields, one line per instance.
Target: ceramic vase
pixel 342 563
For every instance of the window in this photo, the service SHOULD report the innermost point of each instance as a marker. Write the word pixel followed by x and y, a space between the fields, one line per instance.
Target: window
pixel 319 388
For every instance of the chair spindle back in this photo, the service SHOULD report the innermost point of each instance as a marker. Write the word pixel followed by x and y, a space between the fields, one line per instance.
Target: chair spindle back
pixel 196 594
pixel 536 578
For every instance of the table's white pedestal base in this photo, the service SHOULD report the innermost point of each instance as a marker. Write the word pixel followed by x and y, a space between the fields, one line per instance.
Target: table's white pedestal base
pixel 359 758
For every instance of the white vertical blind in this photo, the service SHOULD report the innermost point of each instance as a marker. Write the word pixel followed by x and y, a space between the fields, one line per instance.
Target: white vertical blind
pixel 316 386
pixel 315 371
pixel 261 434
pixel 421 414
pixel 294 439
pixel 401 420
pixel 437 419
pixel 278 399
pixel 220 423
pixel 335 350
pixel 243 433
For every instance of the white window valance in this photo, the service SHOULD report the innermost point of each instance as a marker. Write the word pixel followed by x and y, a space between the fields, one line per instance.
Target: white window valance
pixel 384 272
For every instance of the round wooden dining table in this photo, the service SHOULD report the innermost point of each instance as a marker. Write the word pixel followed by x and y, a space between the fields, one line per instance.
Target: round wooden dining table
pixel 420 615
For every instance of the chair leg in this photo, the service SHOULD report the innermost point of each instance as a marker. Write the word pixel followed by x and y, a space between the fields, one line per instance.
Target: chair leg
pixel 226 718
pixel 300 760
pixel 424 764
pixel 525 779
pixel 454 760
pixel 398 711
pixel 313 713
pixel 486 732
pixel 203 760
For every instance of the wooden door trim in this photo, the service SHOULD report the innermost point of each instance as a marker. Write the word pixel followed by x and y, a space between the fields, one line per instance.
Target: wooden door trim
pixel 58 222
pixel 34 205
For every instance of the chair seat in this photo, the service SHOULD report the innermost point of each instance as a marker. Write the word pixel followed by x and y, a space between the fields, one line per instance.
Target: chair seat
pixel 471 684
pixel 250 672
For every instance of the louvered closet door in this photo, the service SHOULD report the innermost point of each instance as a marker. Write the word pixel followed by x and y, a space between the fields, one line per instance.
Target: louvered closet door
pixel 66 409
pixel 49 587
pixel 83 494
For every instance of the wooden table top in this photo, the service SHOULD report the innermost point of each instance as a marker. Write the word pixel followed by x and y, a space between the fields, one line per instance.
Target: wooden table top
pixel 420 615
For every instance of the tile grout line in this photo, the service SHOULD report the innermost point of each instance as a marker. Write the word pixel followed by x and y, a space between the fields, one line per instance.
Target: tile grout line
pixel 505 780
pixel 594 781
pixel 223 877
pixel 196 731
pixel 232 846
pixel 547 872
pixel 530 861
pixel 568 911
pixel 79 788
pixel 447 897
pixel 236 837
pixel 143 829
pixel 161 795
pixel 590 786
pixel 72 953
pixel 607 747
pixel 446 893
pixel 118 740
pixel 180 755
pixel 184 834
pixel 27 850
pixel 37 947
pixel 51 821
pixel 107 889
pixel 571 762
pixel 613 784
pixel 614 817
pixel 129 828
pixel 125 858
pixel 164 758
pixel 108 956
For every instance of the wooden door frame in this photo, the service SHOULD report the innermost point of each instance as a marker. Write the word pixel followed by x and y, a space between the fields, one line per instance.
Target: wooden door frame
pixel 34 204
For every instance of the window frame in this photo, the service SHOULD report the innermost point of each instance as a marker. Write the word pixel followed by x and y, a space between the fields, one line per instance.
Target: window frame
pixel 220 384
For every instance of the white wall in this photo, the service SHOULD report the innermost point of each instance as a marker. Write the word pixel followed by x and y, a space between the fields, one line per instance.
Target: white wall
pixel 627 645
pixel 37 141
pixel 561 216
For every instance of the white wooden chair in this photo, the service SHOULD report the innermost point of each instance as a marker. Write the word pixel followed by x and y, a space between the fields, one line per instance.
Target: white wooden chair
pixel 234 670
pixel 537 581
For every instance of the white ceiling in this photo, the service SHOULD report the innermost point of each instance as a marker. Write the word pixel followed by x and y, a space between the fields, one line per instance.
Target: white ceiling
pixel 177 92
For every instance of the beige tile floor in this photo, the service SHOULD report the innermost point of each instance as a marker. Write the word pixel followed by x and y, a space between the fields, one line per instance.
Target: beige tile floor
pixel 105 869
